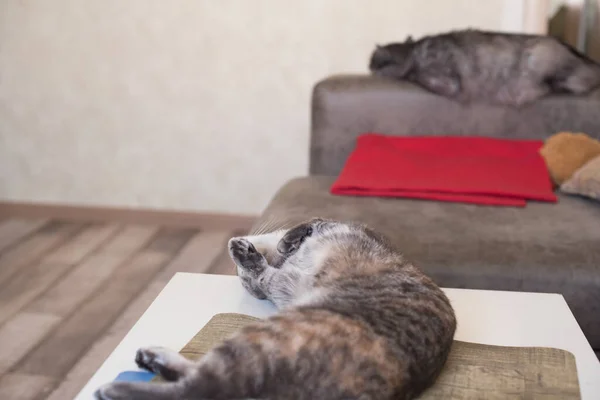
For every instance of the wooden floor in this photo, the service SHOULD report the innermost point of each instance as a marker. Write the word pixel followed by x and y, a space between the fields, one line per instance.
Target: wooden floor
pixel 70 291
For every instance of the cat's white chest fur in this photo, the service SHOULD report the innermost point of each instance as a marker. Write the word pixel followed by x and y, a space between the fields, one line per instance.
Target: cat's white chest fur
pixel 305 266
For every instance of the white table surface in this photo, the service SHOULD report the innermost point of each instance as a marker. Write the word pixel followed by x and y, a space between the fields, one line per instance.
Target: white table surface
pixel 189 301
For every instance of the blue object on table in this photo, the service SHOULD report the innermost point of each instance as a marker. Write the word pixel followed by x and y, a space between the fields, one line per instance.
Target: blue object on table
pixel 134 376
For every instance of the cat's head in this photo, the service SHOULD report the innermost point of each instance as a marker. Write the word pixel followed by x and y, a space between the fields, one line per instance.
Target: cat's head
pixel 308 245
pixel 393 60
pixel 278 247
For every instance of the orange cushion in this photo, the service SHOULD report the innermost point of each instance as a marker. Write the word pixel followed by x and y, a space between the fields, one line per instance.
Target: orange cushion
pixel 566 152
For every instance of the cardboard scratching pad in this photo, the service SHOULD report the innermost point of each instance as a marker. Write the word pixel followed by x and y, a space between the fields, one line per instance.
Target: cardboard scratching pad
pixel 473 371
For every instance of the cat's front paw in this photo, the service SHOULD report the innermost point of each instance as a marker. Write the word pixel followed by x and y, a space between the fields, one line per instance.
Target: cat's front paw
pixel 244 255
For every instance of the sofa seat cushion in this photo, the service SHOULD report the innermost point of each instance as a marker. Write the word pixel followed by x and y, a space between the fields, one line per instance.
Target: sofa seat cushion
pixel 540 248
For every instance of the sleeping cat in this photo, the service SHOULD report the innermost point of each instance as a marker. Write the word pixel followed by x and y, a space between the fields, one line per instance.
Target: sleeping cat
pixel 472 65
pixel 357 321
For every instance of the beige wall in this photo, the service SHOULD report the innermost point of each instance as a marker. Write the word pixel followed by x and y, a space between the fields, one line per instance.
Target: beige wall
pixel 184 104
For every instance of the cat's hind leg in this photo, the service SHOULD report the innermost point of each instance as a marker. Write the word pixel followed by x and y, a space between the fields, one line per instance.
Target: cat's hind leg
pixel 235 369
pixel 552 62
pixel 246 257
pixel 250 265
pixel 583 78
pixel 167 363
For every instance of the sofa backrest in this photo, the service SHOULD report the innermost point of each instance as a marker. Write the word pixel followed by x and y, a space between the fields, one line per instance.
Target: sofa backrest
pixel 343 107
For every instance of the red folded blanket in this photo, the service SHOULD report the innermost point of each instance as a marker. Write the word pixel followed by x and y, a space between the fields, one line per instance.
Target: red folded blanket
pixel 478 170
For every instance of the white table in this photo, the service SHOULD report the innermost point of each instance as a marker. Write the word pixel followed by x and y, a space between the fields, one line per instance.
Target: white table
pixel 487 317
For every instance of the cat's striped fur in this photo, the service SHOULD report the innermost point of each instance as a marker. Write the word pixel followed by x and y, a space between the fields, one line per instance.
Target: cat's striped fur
pixel 475 66
pixel 357 321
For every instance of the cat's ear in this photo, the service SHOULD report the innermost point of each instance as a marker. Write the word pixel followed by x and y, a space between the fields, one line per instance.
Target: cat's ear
pixel 409 39
pixel 378 46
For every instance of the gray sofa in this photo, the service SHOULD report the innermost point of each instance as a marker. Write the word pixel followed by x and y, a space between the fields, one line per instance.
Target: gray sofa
pixel 541 248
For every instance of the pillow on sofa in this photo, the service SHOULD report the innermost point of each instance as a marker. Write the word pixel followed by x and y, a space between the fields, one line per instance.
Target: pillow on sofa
pixel 566 152
pixel 585 181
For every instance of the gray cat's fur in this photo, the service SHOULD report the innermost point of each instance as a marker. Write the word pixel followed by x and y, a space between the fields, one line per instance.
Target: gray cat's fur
pixel 490 67
pixel 357 322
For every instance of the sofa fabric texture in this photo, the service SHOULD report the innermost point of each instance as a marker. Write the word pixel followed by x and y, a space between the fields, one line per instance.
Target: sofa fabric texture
pixel 541 248
pixel 343 107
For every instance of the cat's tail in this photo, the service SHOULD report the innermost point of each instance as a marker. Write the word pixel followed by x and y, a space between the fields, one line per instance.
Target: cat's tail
pixel 563 67
pixel 584 78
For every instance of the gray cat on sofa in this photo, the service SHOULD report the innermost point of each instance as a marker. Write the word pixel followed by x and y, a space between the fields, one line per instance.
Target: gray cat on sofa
pixel 501 68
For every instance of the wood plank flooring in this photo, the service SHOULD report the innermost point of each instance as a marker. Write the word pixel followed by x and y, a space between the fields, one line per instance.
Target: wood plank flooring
pixel 71 290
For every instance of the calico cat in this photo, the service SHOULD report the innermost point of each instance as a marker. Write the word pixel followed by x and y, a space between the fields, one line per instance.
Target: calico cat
pixel 357 321
pixel 491 67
